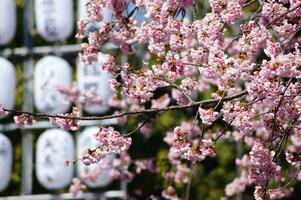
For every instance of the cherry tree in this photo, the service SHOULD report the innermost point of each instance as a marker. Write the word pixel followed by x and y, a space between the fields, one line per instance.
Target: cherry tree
pixel 247 61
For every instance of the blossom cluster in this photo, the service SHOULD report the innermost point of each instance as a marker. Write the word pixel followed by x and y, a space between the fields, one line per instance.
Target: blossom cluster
pixel 76 95
pixel 68 122
pixel 262 167
pixel 24 120
pixel 76 186
pixel 2 111
pixel 184 144
pixel 110 141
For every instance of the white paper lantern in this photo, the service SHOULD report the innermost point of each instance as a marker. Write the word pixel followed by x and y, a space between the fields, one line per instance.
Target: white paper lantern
pixel 54 19
pixel 50 73
pixel 54 147
pixel 7 83
pixel 87 140
pixel 93 77
pixel 6 158
pixel 7 21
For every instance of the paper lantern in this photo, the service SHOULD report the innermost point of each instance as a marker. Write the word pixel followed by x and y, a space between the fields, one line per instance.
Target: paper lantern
pixel 50 73
pixel 93 77
pixel 7 83
pixel 54 19
pixel 7 21
pixel 6 158
pixel 87 140
pixel 54 147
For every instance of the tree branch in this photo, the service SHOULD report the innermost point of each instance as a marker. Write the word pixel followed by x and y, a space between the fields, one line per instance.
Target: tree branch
pixel 152 110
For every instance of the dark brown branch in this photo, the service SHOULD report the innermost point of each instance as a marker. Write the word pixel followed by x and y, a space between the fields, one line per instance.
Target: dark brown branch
pixel 153 110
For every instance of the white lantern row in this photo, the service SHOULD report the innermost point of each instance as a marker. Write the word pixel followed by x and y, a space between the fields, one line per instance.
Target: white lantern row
pixel 8 21
pixel 6 158
pixel 54 147
pixel 51 73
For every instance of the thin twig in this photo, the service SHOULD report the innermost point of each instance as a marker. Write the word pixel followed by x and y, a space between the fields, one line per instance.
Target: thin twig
pixel 290 182
pixel 172 84
pixel 249 3
pixel 277 108
pixel 137 129
pixel 195 120
pixel 218 103
pixel 187 193
pixel 222 133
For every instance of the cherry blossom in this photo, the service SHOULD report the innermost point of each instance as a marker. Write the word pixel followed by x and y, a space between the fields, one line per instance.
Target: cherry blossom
pixel 2 111
pixel 170 193
pixel 69 122
pixel 24 120
pixel 113 140
pixel 237 186
pixel 272 194
pixel 76 186
pixel 262 167
pixel 110 142
pixel 120 168
pixel 207 116
pixel 74 94
pixel 109 64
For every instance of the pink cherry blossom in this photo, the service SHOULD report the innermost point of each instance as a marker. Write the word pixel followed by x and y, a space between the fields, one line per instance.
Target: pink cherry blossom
pixel 170 193
pixel 109 64
pixel 24 120
pixel 2 111
pixel 207 116
pixel 120 168
pixel 113 140
pixel 273 194
pixel 237 186
pixel 70 121
pixel 262 167
pixel 76 186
